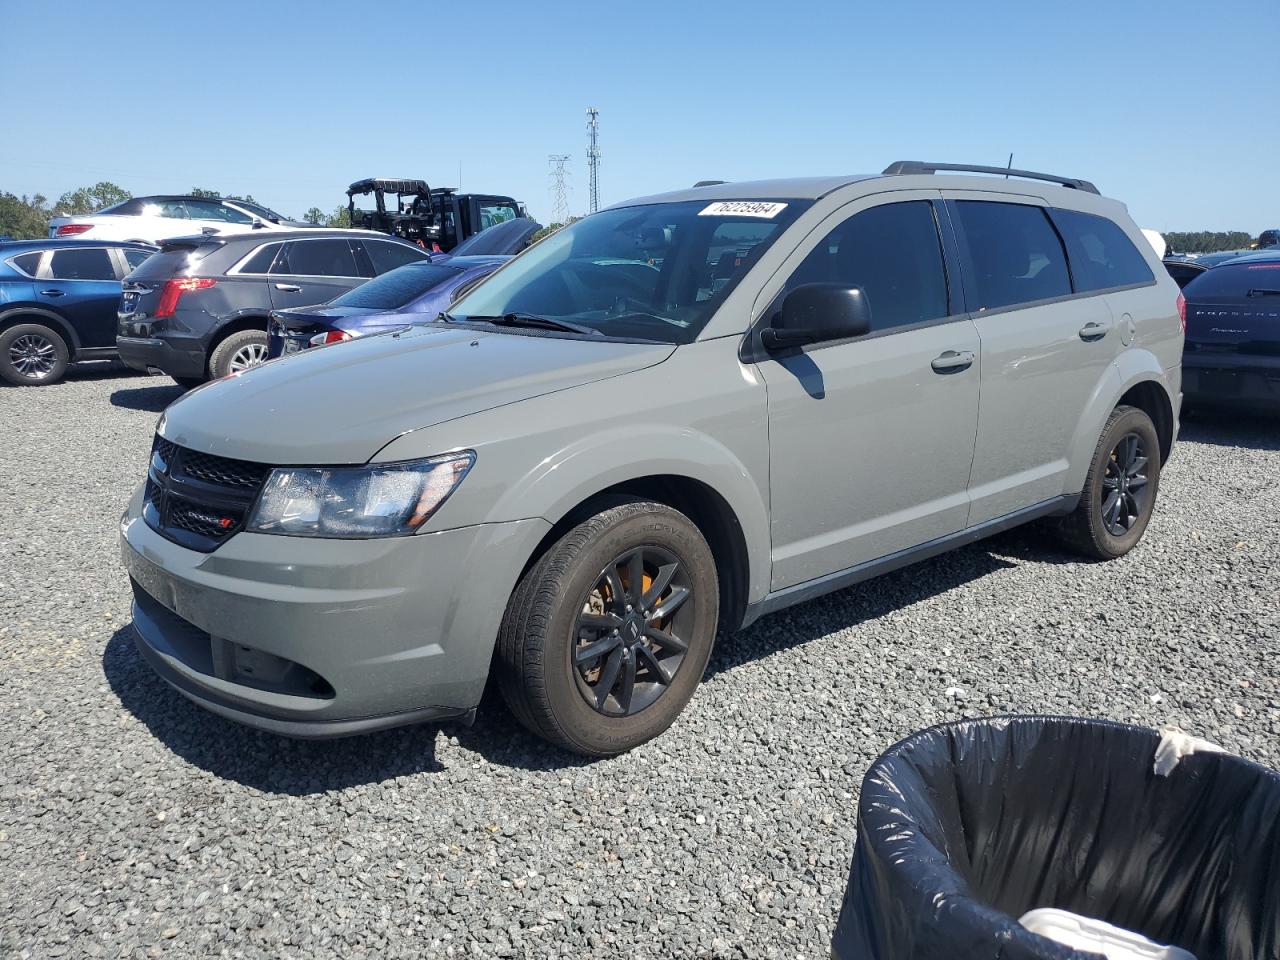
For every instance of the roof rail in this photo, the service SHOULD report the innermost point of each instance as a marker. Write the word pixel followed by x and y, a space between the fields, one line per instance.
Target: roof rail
pixel 918 166
pixel 709 183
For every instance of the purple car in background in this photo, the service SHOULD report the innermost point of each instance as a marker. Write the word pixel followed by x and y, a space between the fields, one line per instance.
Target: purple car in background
pixel 415 293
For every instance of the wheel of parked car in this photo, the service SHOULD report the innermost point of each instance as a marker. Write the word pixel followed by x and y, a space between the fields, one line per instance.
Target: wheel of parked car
pixel 1120 489
pixel 32 355
pixel 238 352
pixel 606 637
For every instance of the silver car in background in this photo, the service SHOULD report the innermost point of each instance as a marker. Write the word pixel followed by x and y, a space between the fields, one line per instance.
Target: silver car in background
pixel 672 417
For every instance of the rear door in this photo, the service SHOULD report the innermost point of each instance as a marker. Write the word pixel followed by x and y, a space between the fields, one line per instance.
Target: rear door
pixel 1044 349
pixel 82 285
pixel 312 271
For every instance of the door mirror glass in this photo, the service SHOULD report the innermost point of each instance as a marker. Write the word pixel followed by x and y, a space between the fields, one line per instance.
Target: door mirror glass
pixel 817 312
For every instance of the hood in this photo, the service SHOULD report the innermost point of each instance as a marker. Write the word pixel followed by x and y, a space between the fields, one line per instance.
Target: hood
pixel 343 403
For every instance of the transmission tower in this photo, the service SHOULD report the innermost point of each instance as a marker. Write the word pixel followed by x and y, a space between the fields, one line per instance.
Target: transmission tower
pixel 559 189
pixel 593 155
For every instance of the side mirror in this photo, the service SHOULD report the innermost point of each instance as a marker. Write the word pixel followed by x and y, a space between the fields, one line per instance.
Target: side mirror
pixel 817 312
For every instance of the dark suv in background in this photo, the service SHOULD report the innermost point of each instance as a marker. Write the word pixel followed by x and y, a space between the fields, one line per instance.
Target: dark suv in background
pixel 198 309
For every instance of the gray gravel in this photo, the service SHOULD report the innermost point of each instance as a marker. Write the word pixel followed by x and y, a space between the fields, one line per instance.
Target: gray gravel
pixel 133 824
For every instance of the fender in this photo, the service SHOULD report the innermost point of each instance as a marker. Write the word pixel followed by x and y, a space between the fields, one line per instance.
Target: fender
pixel 13 312
pixel 1130 368
pixel 218 331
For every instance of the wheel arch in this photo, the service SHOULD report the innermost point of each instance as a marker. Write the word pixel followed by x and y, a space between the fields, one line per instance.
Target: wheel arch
pixel 12 316
pixel 1151 397
pixel 234 324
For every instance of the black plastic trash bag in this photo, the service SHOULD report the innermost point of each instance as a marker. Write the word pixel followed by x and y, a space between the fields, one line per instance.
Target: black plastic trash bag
pixel 965 827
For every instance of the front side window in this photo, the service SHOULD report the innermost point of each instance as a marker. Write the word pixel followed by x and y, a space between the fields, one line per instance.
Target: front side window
pixel 1101 255
pixel 92 264
pixel 492 214
pixel 212 210
pixel 894 254
pixel 1015 254
pixel 387 256
pixel 395 289
pixel 317 258
pixel 654 272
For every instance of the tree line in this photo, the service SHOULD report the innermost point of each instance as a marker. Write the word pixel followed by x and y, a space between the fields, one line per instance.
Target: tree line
pixel 27 217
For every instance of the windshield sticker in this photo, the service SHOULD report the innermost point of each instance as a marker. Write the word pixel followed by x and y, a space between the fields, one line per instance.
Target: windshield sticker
pixel 743 208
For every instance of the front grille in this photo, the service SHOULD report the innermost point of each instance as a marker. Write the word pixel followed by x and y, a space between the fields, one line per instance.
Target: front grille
pixel 196 499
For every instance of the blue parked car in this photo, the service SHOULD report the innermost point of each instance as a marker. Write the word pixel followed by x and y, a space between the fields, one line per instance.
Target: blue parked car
pixel 415 293
pixel 58 302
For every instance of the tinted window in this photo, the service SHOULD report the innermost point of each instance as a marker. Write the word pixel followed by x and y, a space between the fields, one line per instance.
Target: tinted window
pixel 260 262
pixel 175 209
pixel 1101 255
pixel 492 214
pixel 317 258
pixel 395 289
pixel 135 258
pixel 894 254
pixel 387 256
pixel 1236 281
pixel 126 208
pixel 1015 255
pixel 82 265
pixel 28 263
pixel 1182 273
pixel 210 210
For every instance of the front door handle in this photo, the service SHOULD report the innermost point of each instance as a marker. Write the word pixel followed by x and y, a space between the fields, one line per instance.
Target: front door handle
pixel 52 293
pixel 289 287
pixel 953 361
pixel 1094 330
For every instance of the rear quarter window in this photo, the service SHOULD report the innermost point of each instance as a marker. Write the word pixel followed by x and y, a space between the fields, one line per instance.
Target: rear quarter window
pixel 27 263
pixel 1102 255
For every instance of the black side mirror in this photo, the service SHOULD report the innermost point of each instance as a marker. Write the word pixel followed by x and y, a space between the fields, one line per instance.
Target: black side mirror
pixel 816 312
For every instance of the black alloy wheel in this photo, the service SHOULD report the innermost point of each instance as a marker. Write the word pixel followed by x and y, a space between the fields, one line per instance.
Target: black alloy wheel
pixel 628 645
pixel 1124 485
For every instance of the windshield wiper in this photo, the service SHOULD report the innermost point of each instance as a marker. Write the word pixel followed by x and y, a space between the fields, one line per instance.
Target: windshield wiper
pixel 531 320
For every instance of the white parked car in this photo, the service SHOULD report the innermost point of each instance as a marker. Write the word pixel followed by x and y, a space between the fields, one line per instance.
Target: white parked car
pixel 152 219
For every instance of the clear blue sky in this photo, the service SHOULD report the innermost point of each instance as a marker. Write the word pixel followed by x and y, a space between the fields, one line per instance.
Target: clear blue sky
pixel 1169 106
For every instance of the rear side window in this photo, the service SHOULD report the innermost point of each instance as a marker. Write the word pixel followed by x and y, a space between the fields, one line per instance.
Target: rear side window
pixel 81 265
pixel 1101 255
pixel 1015 255
pixel 28 263
pixel 136 258
pixel 1236 282
pixel 261 260
pixel 211 210
pixel 317 258
pixel 398 287
pixel 387 256
pixel 894 254
pixel 174 209
pixel 1182 273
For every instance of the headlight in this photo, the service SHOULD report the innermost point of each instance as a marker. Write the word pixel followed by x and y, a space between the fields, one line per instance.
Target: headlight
pixel 379 500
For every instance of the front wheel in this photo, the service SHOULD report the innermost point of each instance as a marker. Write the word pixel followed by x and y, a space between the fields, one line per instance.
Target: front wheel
pixel 32 355
pixel 1120 491
pixel 606 637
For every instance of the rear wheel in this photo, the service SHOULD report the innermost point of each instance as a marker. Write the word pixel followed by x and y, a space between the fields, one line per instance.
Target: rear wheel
pixel 238 352
pixel 1120 491
pixel 606 637
pixel 31 354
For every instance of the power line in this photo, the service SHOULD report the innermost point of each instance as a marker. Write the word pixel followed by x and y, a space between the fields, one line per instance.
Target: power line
pixel 593 155
pixel 559 189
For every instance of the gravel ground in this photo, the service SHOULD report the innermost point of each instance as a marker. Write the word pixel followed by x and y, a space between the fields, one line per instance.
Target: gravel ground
pixel 133 824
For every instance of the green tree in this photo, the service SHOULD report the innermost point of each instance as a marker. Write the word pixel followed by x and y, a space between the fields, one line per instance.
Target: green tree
pixel 23 218
pixel 315 216
pixel 341 217
pixel 552 228
pixel 202 192
pixel 1208 241
pixel 90 199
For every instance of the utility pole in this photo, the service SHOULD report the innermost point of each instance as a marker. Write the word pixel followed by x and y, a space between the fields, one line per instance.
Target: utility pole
pixel 559 189
pixel 593 155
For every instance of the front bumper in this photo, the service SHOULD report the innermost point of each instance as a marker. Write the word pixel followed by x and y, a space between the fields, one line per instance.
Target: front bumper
pixel 186 359
pixel 319 638
pixel 1234 380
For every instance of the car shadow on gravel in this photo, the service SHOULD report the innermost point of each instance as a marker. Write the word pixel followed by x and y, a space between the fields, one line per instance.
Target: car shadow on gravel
pixel 1231 428
pixel 149 399
pixel 262 761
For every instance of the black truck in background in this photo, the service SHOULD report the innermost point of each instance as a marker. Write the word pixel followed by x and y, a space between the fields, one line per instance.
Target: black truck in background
pixel 437 219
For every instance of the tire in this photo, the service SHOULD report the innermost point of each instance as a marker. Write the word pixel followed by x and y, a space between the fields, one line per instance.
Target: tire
pixel 541 633
pixel 236 353
pixel 32 355
pixel 1092 529
pixel 188 383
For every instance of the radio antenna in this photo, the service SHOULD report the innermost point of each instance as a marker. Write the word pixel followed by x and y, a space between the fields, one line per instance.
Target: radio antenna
pixel 1009 167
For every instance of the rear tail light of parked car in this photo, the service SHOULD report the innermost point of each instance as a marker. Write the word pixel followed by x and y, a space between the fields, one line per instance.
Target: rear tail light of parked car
pixel 73 229
pixel 331 336
pixel 1182 313
pixel 173 291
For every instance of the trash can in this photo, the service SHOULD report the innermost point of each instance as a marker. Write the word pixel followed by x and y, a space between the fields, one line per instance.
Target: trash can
pixel 965 827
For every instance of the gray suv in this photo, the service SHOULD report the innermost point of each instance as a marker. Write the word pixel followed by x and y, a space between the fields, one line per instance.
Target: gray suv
pixel 676 415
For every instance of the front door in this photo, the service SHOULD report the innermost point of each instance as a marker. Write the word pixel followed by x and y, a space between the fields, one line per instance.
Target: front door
pixel 871 439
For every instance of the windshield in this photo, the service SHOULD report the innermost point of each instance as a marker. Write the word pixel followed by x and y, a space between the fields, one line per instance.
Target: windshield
pixel 655 272
pixel 258 210
pixel 397 287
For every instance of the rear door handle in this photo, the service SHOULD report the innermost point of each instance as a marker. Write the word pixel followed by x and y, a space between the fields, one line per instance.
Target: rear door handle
pixel 52 293
pixel 289 287
pixel 1094 330
pixel 953 361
